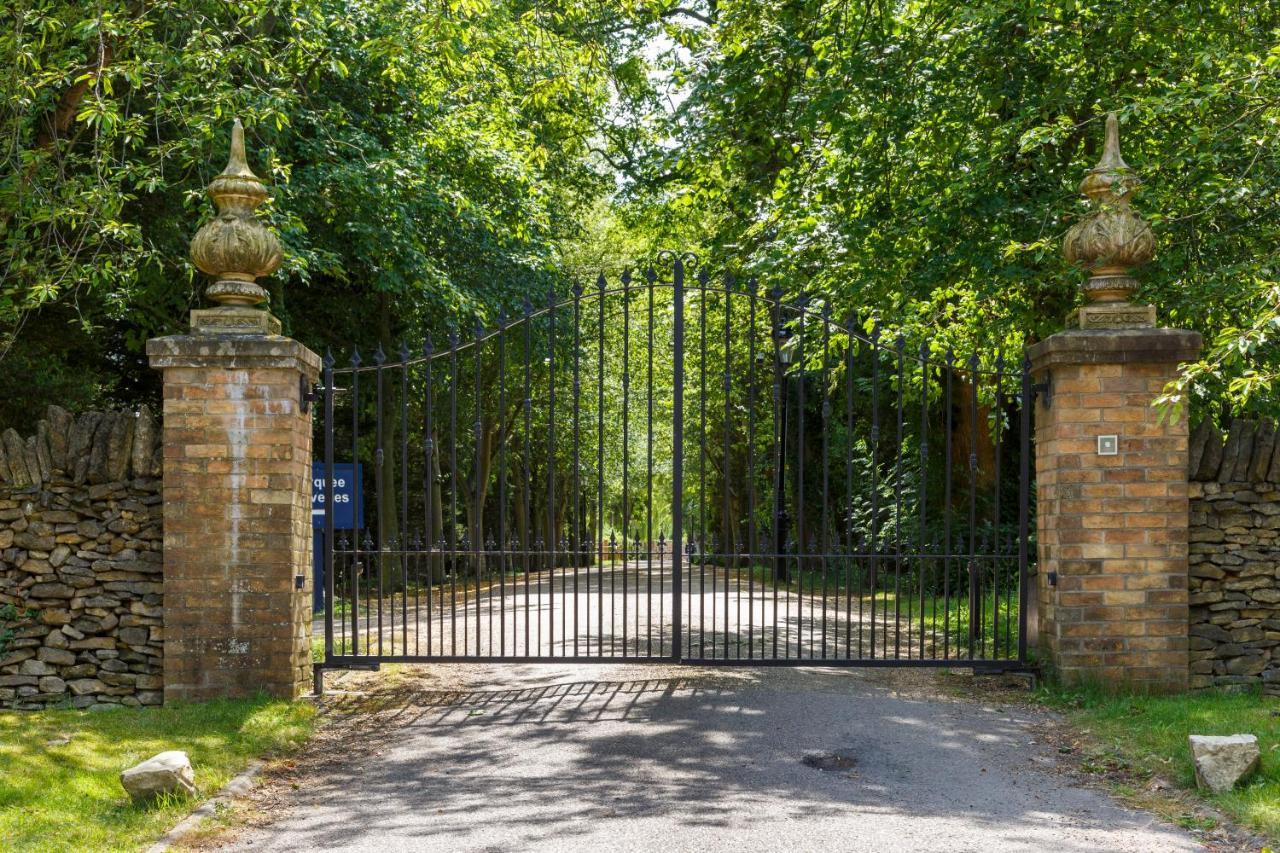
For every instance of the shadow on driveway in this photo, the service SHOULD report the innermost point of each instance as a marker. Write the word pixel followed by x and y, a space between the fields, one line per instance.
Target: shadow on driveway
pixel 610 757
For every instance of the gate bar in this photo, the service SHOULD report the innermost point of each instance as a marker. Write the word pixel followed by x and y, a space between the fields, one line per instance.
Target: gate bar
pixel 677 462
pixel 329 562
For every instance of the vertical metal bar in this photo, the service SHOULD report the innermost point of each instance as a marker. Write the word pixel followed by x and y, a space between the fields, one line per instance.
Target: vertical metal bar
pixel 950 364
pixel 453 497
pixel 330 564
pixel 898 345
pixel 599 531
pixel 801 536
pixel 873 578
pixel 726 478
pixel 575 532
pixel 527 537
pixel 404 499
pixel 651 278
pixel 677 460
pixel 752 544
pixel 779 567
pixel 825 545
pixel 997 550
pixel 551 472
pixel 974 587
pixel 429 482
pixel 702 475
pixel 359 544
pixel 1024 501
pixel 850 562
pixel 662 588
pixel 417 605
pixel 478 557
pixel 922 543
pixel 378 359
pixel 626 438
pixel 503 433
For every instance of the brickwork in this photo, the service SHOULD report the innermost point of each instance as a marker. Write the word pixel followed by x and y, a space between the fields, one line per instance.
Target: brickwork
pixel 237 456
pixel 1112 529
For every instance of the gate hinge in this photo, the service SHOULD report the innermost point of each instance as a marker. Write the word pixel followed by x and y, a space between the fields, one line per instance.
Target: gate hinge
pixel 308 393
pixel 1043 389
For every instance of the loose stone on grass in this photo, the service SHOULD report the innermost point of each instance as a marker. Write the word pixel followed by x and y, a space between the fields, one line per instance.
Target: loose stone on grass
pixel 166 773
pixel 1223 762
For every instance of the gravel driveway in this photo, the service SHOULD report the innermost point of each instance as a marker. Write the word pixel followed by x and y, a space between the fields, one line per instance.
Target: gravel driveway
pixel 613 757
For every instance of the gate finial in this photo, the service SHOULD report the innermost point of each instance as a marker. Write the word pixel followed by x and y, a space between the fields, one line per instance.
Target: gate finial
pixel 234 249
pixel 1111 241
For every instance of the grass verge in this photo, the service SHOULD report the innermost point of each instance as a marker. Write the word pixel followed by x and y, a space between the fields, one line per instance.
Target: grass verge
pixel 1140 742
pixel 59 769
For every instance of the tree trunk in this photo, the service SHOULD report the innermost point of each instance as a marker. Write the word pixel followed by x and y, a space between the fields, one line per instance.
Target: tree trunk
pixel 479 495
pixel 972 435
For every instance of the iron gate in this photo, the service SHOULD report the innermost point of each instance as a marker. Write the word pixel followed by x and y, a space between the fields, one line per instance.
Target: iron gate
pixel 663 469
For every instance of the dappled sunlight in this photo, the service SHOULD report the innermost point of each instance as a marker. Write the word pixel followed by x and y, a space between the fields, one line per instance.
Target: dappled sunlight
pixel 59 768
pixel 550 757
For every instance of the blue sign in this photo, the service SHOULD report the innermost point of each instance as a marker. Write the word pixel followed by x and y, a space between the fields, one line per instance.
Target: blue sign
pixel 348 508
pixel 348 513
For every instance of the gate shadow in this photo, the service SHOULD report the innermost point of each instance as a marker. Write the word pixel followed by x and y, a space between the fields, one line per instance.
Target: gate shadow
pixel 545 761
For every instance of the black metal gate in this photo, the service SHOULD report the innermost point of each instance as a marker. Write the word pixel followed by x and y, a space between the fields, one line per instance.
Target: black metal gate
pixel 672 469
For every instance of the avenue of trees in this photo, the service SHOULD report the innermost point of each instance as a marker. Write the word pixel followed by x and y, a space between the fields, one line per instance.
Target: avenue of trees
pixel 910 166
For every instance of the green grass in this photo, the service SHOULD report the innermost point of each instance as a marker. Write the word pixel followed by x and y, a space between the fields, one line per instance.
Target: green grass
pixel 60 794
pixel 1147 736
pixel 947 616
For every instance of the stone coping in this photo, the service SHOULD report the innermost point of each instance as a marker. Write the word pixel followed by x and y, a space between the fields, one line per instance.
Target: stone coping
pixel 232 352
pixel 1122 346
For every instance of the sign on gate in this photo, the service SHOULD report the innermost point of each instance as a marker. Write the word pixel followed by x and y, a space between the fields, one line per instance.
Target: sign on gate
pixel 348 509
pixel 348 514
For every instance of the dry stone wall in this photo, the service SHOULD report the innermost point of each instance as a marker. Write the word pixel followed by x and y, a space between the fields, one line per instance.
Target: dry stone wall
pixel 1235 556
pixel 81 592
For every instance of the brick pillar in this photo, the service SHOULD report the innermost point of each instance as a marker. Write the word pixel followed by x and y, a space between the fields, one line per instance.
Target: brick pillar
pixel 237 469
pixel 237 510
pixel 1112 528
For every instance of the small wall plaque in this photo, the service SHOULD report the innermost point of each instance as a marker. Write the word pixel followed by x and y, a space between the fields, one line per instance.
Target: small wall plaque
pixel 1108 445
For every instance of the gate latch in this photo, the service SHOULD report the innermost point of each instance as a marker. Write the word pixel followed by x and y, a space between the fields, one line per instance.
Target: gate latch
pixel 308 393
pixel 1044 389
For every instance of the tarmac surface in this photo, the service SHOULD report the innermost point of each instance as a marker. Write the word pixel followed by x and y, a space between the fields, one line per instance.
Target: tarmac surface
pixel 624 757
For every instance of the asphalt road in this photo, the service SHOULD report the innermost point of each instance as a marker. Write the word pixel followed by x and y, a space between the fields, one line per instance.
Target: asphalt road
pixel 611 757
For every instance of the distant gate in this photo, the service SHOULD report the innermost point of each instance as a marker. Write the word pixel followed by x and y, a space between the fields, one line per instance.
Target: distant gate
pixel 662 469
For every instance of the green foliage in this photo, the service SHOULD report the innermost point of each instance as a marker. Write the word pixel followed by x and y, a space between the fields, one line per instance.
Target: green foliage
pixel 920 161
pixel 425 158
pixel 910 162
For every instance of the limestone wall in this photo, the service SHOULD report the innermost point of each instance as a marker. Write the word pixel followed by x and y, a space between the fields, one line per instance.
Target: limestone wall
pixel 81 590
pixel 1235 555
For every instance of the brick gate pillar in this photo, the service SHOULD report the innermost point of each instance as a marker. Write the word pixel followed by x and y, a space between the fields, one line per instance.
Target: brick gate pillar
pixel 1111 472
pixel 237 458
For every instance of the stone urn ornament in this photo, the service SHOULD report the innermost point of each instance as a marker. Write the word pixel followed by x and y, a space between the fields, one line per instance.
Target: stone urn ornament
pixel 235 249
pixel 1110 242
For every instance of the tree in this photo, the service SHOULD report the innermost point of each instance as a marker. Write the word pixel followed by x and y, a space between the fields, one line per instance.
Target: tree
pixel 918 161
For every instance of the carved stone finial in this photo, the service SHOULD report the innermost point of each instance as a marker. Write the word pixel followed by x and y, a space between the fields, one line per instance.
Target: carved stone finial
pixel 1112 240
pixel 235 248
